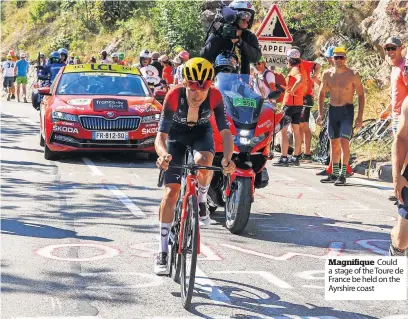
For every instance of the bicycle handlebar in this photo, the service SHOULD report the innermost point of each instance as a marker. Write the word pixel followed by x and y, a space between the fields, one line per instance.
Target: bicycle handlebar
pixel 190 167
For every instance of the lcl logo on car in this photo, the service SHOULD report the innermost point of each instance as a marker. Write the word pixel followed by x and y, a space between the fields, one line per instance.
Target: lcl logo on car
pixel 65 129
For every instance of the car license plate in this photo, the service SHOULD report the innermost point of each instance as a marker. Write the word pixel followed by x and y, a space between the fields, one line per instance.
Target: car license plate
pixel 118 136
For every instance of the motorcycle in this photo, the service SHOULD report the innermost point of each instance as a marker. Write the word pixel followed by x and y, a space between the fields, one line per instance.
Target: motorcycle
pixel 35 96
pixel 254 122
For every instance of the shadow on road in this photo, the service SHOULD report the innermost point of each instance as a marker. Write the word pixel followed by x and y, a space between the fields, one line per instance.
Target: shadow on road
pixel 248 301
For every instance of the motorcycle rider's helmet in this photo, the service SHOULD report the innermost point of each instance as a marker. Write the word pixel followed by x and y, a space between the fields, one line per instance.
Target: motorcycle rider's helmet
pixel 227 63
pixel 63 52
pixel 54 57
pixel 243 6
pixel 198 69
pixel 144 55
pixel 184 55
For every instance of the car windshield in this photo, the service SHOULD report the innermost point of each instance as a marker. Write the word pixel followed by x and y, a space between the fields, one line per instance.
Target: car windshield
pixel 95 83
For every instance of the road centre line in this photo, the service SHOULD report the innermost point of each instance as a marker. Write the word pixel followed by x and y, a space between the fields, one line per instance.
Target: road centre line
pixel 207 285
pixel 95 171
pixel 135 210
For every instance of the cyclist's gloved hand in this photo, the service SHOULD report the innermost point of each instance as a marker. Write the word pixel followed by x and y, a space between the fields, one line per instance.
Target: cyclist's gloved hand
pixel 228 165
pixel 163 162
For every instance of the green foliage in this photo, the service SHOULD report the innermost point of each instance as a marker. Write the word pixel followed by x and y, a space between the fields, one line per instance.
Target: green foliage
pixel 313 16
pixel 40 8
pixel 178 23
pixel 18 3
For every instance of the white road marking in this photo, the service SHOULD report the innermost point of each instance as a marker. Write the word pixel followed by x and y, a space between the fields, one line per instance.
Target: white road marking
pixel 371 183
pixel 92 167
pixel 311 275
pixel 335 249
pixel 56 317
pixel 108 252
pixel 207 285
pixel 367 244
pixel 264 274
pixel 135 210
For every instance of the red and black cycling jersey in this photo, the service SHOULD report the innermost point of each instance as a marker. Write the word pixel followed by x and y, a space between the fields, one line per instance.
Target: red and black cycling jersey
pixel 175 111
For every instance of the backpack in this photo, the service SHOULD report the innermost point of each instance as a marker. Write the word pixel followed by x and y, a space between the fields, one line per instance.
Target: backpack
pixel 279 79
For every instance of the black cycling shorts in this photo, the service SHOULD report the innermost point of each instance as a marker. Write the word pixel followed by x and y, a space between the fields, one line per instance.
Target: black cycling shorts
pixel 403 209
pixel 340 124
pixel 200 139
pixel 305 115
pixel 294 113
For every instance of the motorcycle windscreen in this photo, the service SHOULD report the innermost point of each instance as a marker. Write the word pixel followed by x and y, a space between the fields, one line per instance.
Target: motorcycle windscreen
pixel 242 103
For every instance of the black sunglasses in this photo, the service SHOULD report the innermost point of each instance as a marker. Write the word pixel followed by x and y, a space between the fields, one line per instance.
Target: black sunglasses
pixel 391 49
pixel 258 63
pixel 339 57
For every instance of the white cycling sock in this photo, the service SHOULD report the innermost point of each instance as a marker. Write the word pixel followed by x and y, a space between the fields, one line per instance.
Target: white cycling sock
pixel 202 193
pixel 164 237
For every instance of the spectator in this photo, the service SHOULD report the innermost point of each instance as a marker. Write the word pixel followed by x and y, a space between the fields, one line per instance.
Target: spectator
pixel 104 57
pixel 176 62
pixel 167 73
pixel 92 59
pixel 156 63
pixel 264 79
pixel 184 56
pixel 8 75
pixel 21 70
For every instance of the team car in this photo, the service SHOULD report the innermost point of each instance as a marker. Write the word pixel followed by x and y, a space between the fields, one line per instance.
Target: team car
pixel 96 107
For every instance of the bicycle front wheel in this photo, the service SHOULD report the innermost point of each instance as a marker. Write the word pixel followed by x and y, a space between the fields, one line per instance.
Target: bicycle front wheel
pixel 189 252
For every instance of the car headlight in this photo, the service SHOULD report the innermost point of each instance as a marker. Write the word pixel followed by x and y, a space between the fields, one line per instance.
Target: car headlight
pixel 60 116
pixel 257 139
pixel 151 118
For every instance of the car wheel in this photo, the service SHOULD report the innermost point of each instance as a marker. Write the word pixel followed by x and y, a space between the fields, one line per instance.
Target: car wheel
pixel 49 155
pixel 42 141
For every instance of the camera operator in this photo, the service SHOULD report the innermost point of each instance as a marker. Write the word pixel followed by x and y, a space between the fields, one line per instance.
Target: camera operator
pixel 232 31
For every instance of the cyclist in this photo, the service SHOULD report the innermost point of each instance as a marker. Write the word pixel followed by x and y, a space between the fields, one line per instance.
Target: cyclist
pixel 8 75
pixel 399 234
pixel 341 82
pixel 185 121
pixel 21 68
pixel 63 55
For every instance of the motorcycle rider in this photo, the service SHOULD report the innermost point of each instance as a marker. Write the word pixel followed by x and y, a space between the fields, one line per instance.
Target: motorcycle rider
pixel 63 55
pixel 245 41
pixel 144 59
pixel 185 121
pixel 55 64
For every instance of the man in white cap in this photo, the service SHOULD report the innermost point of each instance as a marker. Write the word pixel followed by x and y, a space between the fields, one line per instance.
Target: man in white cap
pixel 341 82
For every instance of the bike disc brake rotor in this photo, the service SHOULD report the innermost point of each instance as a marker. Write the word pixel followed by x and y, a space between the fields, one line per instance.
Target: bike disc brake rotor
pixel 230 207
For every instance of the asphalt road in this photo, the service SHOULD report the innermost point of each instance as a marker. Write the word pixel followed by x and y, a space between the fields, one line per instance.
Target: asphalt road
pixel 79 237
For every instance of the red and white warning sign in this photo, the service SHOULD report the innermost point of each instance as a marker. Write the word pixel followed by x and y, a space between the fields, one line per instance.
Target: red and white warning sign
pixel 273 28
pixel 274 38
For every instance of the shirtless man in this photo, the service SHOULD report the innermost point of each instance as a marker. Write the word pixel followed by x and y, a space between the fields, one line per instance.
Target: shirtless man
pixel 341 82
pixel 399 234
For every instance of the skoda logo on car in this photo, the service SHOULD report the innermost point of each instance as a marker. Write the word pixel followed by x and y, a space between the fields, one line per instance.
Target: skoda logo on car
pixel 110 114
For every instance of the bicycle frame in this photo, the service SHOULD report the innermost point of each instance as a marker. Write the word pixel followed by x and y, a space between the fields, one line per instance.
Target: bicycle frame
pixel 191 182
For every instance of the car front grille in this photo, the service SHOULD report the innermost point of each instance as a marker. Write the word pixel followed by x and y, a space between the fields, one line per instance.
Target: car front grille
pixel 128 123
pixel 101 144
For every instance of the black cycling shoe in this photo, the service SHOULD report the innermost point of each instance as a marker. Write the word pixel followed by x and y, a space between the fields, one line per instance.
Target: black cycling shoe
pixel 393 251
pixel 283 161
pixel 160 267
pixel 322 173
pixel 294 160
pixel 329 179
pixel 341 181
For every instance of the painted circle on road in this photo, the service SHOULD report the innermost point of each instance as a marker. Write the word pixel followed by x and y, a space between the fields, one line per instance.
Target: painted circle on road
pixel 367 216
pixel 107 252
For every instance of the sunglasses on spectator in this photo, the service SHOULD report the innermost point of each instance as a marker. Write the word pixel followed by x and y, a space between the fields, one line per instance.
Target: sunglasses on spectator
pixel 339 57
pixel 196 86
pixel 258 63
pixel 391 49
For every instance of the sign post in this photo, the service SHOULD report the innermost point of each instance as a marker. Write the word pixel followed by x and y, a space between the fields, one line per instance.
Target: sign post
pixel 274 38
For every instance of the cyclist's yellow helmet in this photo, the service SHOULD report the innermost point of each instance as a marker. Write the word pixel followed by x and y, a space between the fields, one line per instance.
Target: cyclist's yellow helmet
pixel 198 69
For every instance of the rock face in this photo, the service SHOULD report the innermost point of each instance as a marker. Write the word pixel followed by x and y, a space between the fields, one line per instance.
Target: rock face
pixel 390 18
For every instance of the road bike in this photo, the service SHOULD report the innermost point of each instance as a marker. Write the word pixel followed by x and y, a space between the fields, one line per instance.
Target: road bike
pixel 184 238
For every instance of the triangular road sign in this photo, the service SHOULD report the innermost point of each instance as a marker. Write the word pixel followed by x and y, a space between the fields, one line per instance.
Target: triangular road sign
pixel 273 28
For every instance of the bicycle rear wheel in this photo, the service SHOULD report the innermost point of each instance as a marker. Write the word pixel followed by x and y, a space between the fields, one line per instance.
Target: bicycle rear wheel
pixel 189 253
